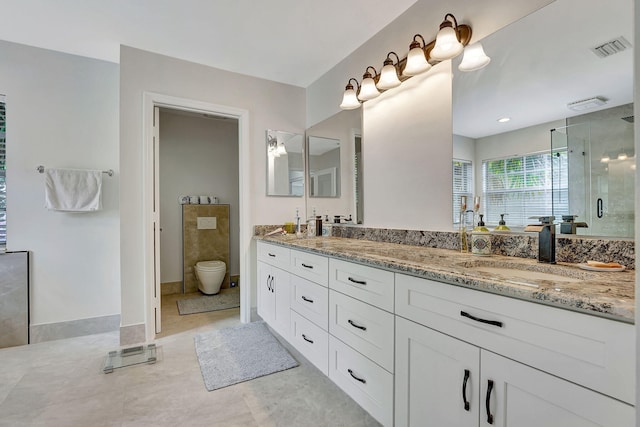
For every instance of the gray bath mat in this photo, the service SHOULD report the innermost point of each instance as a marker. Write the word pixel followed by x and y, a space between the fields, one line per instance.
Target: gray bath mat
pixel 227 298
pixel 241 353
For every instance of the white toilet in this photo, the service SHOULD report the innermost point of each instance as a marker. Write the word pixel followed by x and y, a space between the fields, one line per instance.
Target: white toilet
pixel 210 276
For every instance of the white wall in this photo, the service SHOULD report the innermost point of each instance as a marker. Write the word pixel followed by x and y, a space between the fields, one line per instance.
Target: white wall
pixel 198 156
pixel 62 111
pixel 271 106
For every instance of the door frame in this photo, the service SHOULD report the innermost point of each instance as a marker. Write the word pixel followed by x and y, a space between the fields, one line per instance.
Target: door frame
pixel 150 101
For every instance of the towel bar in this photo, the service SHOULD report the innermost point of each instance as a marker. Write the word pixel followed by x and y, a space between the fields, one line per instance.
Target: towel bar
pixel 108 172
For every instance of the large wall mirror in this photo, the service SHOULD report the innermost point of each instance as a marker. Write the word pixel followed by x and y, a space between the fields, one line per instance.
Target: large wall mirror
pixel 568 67
pixel 285 163
pixel 334 167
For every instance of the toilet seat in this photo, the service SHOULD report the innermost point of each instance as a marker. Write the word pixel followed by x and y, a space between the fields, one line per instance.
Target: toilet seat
pixel 211 265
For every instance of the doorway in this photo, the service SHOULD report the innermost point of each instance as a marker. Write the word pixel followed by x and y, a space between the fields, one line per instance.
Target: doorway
pixel 151 200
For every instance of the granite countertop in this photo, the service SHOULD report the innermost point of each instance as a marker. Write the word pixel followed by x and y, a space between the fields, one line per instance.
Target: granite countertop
pixel 606 294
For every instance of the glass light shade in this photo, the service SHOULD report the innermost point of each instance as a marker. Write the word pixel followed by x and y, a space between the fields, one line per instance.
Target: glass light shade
pixel 623 156
pixel 388 78
pixel 368 90
pixel 474 58
pixel 605 158
pixel 281 150
pixel 350 100
pixel 416 62
pixel 447 45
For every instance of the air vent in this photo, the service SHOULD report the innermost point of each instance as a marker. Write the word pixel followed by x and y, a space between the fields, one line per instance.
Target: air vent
pixel 611 47
pixel 587 104
pixel 628 119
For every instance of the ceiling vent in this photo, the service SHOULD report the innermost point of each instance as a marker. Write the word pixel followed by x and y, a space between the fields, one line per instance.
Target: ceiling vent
pixel 628 119
pixel 611 47
pixel 587 104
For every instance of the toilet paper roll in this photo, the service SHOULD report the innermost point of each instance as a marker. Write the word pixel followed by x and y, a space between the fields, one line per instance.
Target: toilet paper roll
pixel 204 200
pixel 194 200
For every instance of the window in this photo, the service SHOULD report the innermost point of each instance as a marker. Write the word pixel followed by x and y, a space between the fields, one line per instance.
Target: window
pixel 3 169
pixel 462 185
pixel 521 187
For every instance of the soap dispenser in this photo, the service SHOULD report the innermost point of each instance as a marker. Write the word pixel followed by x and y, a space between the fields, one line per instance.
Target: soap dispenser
pixel 481 239
pixel 502 225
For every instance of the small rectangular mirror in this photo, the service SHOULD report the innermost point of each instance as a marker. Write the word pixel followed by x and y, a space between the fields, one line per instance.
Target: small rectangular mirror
pixel 285 164
pixel 324 167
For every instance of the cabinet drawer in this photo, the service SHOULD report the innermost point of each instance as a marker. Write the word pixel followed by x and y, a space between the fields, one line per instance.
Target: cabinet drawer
pixel 310 266
pixel 368 284
pixel 311 341
pixel 367 329
pixel 367 383
pixel 273 254
pixel 310 300
pixel 591 351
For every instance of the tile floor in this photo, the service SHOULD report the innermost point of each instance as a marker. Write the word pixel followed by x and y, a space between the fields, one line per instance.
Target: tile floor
pixel 60 383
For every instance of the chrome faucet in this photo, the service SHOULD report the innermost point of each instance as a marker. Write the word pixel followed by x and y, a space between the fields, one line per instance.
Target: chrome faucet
pixel 568 225
pixel 546 238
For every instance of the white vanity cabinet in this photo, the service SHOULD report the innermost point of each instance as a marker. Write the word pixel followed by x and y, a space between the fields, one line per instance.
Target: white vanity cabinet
pixel 274 288
pixel 361 335
pixel 525 364
pixel 310 307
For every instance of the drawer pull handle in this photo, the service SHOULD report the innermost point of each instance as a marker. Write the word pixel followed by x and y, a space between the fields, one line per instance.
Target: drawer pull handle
pixel 307 266
pixel 272 255
pixel 359 282
pixel 477 319
pixel 304 337
pixel 488 402
pixel 307 299
pixel 362 380
pixel 355 325
pixel 464 389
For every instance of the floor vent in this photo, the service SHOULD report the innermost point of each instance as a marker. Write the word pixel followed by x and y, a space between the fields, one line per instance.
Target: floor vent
pixel 611 47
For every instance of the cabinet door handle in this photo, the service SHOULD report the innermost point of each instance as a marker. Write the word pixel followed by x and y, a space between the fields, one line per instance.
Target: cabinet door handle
pixel 488 402
pixel 355 325
pixel 272 255
pixel 304 337
pixel 307 266
pixel 269 282
pixel 464 389
pixel 477 319
pixel 307 299
pixel 273 288
pixel 359 282
pixel 362 380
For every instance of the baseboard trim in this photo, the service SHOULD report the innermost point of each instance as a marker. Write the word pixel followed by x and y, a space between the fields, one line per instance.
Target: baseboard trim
pixel 74 328
pixel 132 334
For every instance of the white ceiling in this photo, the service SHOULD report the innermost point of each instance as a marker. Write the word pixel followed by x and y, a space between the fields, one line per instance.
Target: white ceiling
pixel 288 41
pixel 543 62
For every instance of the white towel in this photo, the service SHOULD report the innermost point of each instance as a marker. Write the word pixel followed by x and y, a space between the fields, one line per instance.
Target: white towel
pixel 73 190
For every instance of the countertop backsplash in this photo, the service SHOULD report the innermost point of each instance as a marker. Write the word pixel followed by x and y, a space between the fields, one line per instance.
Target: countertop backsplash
pixel 574 249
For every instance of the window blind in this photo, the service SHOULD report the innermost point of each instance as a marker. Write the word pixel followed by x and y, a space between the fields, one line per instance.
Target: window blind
pixel 462 186
pixel 521 187
pixel 3 168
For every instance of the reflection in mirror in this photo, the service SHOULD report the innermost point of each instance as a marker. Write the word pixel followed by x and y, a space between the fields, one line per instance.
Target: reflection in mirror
pixel 285 164
pixel 541 65
pixel 324 167
pixel 341 129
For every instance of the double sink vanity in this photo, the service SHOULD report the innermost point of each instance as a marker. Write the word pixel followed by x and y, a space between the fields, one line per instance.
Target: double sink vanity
pixel 426 336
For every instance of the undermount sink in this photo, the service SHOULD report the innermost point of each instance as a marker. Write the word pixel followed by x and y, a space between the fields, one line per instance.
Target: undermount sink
pixel 526 274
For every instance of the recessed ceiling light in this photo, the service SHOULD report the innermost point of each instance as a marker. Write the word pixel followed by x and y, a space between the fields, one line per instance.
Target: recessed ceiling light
pixel 504 119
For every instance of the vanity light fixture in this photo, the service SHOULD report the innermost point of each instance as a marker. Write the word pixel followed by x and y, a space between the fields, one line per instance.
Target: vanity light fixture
pixel 389 74
pixel 605 158
pixel 350 97
pixel 416 59
pixel 448 43
pixel 622 155
pixel 474 58
pixel 368 88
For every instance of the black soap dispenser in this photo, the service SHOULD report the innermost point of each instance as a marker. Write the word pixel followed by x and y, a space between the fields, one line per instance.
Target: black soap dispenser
pixel 502 225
